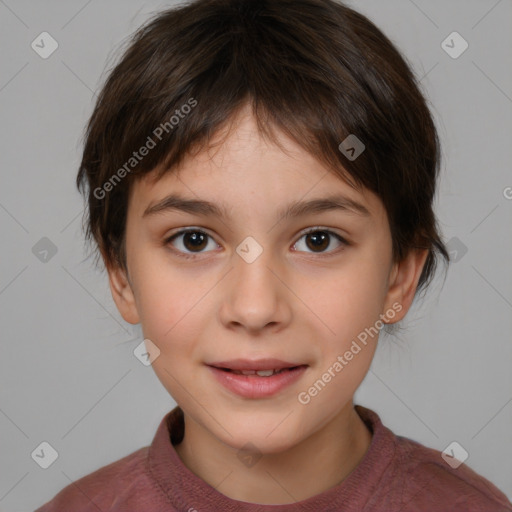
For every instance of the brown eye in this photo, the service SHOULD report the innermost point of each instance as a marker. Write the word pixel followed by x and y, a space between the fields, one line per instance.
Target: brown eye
pixel 190 242
pixel 194 240
pixel 318 240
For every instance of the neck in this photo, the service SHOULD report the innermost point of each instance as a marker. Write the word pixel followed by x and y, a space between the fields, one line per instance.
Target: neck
pixel 318 463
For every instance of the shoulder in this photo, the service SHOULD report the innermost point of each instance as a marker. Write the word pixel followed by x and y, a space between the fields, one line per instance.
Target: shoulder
pixel 104 487
pixel 425 481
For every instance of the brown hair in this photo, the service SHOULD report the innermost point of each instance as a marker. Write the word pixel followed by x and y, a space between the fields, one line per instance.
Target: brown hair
pixel 315 69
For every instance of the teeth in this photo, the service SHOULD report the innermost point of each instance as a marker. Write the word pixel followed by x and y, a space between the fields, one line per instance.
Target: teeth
pixel 266 373
pixel 260 373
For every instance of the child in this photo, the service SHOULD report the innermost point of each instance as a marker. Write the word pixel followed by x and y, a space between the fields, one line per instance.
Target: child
pixel 260 178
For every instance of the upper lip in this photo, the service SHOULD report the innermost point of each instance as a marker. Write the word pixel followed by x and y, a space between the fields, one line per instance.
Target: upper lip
pixel 255 364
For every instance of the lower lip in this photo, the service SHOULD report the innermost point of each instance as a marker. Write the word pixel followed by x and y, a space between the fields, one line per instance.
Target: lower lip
pixel 254 386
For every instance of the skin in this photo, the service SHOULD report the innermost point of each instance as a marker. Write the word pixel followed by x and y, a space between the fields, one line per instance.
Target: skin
pixel 294 303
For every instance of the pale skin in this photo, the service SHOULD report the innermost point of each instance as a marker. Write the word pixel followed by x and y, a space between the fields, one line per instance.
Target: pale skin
pixel 292 303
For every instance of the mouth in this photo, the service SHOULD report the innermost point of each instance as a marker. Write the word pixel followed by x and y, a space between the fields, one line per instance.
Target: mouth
pixel 260 373
pixel 255 365
pixel 256 379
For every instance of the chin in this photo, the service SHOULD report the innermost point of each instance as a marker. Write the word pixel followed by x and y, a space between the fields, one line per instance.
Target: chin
pixel 264 438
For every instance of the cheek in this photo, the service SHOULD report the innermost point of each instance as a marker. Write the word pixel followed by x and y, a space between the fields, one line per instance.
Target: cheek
pixel 171 306
pixel 171 313
pixel 350 307
pixel 349 301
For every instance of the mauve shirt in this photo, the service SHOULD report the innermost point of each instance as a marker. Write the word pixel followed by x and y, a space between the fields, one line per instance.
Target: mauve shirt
pixel 395 474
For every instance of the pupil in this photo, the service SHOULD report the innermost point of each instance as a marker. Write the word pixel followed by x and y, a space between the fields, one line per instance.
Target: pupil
pixel 319 239
pixel 195 239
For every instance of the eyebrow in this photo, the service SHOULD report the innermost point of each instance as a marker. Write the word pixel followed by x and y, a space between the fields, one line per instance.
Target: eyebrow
pixel 296 209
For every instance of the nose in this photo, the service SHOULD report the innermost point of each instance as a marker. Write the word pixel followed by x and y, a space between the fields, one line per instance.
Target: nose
pixel 255 297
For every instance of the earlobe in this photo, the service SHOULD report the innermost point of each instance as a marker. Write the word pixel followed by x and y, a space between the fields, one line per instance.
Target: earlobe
pixel 122 294
pixel 403 283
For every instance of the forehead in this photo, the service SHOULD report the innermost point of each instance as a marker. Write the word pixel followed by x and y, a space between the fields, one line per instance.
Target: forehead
pixel 240 169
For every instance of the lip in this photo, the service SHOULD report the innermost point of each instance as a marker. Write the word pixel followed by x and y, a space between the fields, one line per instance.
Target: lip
pixel 254 386
pixel 255 364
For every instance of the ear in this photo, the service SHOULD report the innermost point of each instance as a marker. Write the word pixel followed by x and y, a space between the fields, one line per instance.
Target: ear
pixel 122 294
pixel 403 282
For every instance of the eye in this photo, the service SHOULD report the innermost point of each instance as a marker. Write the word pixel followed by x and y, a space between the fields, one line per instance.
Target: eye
pixel 319 239
pixel 193 240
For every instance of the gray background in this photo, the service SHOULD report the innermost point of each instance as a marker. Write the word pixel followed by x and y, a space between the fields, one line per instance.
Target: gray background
pixel 68 373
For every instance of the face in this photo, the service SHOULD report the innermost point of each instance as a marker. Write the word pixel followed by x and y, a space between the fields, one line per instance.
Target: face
pixel 254 284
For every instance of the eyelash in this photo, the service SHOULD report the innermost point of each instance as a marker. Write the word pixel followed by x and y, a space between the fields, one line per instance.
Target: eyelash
pixel 192 256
